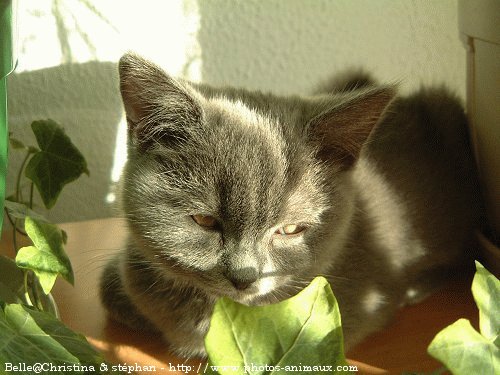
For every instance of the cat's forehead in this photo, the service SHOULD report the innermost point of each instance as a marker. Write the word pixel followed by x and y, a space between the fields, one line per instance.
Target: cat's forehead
pixel 258 168
pixel 242 166
pixel 238 111
pixel 237 115
pixel 241 133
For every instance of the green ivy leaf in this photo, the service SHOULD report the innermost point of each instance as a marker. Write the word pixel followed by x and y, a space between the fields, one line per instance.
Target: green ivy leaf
pixel 486 291
pixel 57 163
pixel 47 257
pixel 38 337
pixel 21 211
pixel 459 346
pixel 464 351
pixel 304 330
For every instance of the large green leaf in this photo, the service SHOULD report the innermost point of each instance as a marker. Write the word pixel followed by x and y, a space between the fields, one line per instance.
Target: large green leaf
pixel 461 348
pixel 302 331
pixel 56 164
pixel 29 337
pixel 47 257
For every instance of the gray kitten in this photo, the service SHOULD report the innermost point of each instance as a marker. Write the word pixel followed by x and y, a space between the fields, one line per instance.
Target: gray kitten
pixel 235 193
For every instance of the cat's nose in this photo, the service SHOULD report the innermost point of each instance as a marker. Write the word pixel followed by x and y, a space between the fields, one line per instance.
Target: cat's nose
pixel 242 278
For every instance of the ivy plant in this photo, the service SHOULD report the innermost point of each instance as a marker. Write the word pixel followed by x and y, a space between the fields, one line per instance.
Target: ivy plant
pixel 28 316
pixel 300 335
pixel 459 346
pixel 48 168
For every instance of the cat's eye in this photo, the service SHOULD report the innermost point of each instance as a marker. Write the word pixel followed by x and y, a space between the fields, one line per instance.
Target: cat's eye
pixel 290 229
pixel 206 221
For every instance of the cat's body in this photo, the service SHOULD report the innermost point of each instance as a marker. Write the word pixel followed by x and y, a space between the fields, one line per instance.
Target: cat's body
pixel 251 195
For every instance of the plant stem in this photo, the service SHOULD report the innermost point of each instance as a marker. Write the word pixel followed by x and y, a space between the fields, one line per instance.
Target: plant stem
pixel 15 230
pixel 30 279
pixel 34 286
pixel 19 175
pixel 11 221
pixel 25 274
pixel 14 236
pixel 31 285
pixel 19 197
pixel 31 194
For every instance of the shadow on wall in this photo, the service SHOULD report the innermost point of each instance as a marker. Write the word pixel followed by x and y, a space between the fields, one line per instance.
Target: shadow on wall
pixel 85 100
pixel 280 46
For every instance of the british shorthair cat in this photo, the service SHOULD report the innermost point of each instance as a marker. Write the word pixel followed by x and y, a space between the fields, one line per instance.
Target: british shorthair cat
pixel 237 193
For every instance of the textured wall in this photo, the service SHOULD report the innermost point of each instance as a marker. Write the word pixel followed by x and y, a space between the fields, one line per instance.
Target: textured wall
pixel 286 46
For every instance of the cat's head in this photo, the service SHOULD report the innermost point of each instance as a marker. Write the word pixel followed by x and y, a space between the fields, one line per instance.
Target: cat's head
pixel 235 192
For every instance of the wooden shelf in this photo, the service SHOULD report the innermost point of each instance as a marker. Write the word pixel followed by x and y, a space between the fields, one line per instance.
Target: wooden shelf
pixel 400 347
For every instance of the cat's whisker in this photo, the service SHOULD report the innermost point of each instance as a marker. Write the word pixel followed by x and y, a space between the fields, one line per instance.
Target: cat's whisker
pixel 336 277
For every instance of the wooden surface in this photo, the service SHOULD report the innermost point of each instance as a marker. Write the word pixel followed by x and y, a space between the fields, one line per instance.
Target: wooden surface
pixel 401 347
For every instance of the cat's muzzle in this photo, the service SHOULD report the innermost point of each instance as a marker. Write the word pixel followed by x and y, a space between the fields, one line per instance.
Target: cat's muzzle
pixel 242 278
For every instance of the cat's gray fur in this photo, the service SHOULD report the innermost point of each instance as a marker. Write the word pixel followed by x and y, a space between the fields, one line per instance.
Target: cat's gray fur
pixel 384 184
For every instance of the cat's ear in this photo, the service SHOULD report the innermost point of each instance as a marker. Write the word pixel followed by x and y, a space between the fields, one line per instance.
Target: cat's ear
pixel 341 131
pixel 158 108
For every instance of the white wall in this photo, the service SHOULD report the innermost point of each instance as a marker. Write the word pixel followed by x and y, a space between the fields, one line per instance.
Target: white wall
pixel 286 46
